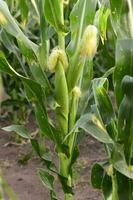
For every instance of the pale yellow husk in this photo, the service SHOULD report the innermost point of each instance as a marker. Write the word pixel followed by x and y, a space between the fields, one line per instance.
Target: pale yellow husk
pixel 3 20
pixel 56 56
pixel 88 45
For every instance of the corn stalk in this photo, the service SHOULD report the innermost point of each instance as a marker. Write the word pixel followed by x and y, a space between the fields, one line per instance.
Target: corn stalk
pixel 67 65
pixel 112 175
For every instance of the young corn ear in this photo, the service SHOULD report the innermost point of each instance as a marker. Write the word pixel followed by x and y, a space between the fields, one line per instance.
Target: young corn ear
pixel 58 63
pixel 57 55
pixel 76 93
pixel 86 50
pixel 88 45
pixel 61 95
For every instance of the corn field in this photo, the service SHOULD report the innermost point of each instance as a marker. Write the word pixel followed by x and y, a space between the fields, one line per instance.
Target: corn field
pixel 67 67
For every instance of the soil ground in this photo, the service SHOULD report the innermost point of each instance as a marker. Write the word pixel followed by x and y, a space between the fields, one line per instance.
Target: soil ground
pixel 24 180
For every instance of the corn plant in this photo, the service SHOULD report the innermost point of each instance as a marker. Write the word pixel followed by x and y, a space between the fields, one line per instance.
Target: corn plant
pixel 114 176
pixel 71 67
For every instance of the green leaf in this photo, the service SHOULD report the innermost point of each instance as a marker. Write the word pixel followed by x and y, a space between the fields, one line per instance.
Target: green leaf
pixel 100 89
pixel 35 6
pixel 119 162
pixel 124 65
pixel 47 158
pixel 93 126
pixel 46 178
pixel 35 93
pixel 42 117
pixel 125 119
pixel 86 87
pixel 40 76
pixel 9 44
pixel 104 105
pixel 10 25
pixel 44 156
pixel 122 15
pixel 44 46
pixel 82 15
pixel 97 175
pixel 53 14
pixel 64 182
pixel 53 195
pixel 124 192
pixel 24 9
pixel 48 181
pixel 127 86
pixel 74 156
pixel 1 90
pixel 36 147
pixel 107 187
pixel 101 21
pixel 19 129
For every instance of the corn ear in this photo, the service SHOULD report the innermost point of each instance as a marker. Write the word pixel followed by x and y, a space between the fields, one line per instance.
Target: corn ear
pixel 57 55
pixel 86 50
pixel 61 95
pixel 76 93
pixel 88 44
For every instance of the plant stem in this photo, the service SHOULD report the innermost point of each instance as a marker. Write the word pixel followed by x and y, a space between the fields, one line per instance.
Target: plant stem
pixel 61 36
pixel 64 171
pixel 68 197
pixel 1 187
pixel 64 160
pixel 115 188
pixel 72 118
pixel 61 40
